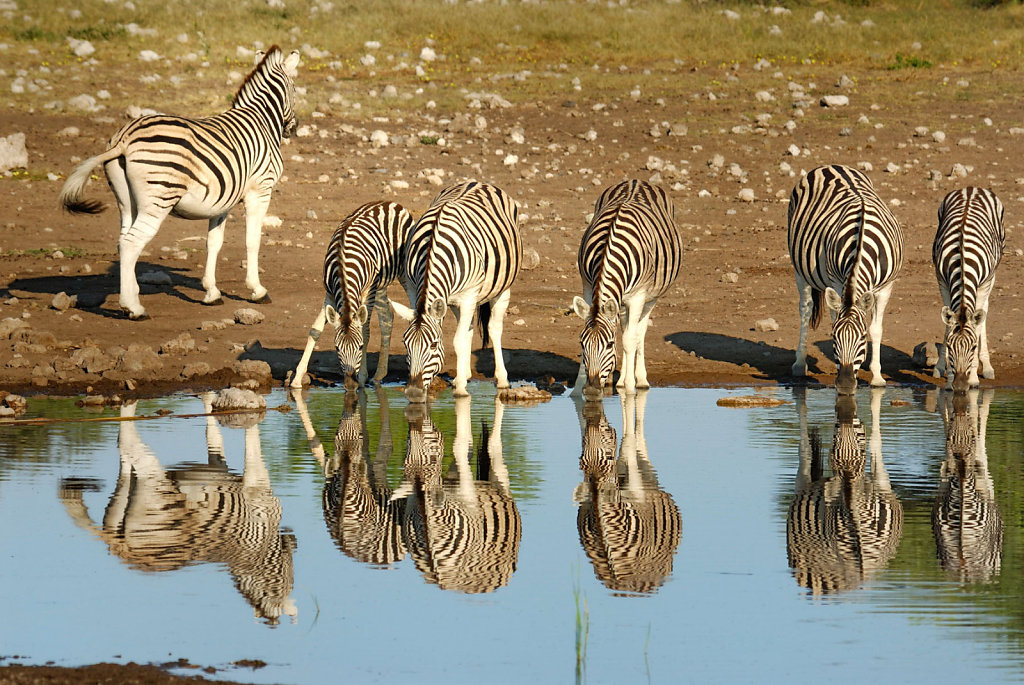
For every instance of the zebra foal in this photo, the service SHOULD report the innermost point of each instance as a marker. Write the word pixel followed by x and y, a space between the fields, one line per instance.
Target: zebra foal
pixel 628 257
pixel 197 169
pixel 968 247
pixel 365 255
pixel 464 251
pixel 847 249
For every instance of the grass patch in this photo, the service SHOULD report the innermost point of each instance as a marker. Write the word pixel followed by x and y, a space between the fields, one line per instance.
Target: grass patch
pixel 908 62
pixel 47 252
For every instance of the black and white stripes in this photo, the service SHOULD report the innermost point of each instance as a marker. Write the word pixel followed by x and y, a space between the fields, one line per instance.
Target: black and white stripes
pixel 847 250
pixel 464 251
pixel 197 169
pixel 365 255
pixel 968 247
pixel 628 257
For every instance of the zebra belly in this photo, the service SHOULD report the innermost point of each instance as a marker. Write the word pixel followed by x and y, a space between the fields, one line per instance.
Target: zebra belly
pixel 197 204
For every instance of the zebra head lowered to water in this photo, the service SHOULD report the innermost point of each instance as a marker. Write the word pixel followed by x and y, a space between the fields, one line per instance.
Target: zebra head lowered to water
pixel 197 169
pixel 967 249
pixel 366 253
pixel 628 257
pixel 464 252
pixel 847 249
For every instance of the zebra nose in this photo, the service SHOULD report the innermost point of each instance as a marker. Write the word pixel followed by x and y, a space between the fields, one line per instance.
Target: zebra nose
pixel 846 381
pixel 960 383
pixel 592 393
pixel 350 381
pixel 415 393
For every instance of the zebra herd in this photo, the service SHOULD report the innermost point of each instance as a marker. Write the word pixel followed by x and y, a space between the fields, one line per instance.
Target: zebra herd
pixel 465 251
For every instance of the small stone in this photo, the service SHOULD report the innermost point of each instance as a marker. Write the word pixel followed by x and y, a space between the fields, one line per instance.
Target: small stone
pixel 248 316
pixel 63 302
pixel 766 325
pixel 834 101
pixel 195 369
pixel 746 195
pixel 958 171
pixel 938 136
pixel 183 344
pixel 730 277
pixel 530 260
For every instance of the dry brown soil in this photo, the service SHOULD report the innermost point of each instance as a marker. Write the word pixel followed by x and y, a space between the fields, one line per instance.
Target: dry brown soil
pixel 703 330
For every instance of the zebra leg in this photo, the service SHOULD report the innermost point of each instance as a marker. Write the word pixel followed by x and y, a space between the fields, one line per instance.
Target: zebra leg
pixel 943 363
pixel 804 308
pixel 641 357
pixel 494 330
pixel 130 246
pixel 983 355
pixel 465 312
pixel 581 376
pixel 363 372
pixel 630 340
pixel 256 204
pixel 214 241
pixel 307 353
pixel 386 322
pixel 117 179
pixel 875 333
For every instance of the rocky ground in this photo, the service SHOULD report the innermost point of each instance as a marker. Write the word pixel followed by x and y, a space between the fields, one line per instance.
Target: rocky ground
pixel 728 142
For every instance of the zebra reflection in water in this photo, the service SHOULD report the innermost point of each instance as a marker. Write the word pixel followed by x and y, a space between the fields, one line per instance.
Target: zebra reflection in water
pixel 161 519
pixel 966 521
pixel 462 531
pixel 842 528
pixel 358 508
pixel 629 527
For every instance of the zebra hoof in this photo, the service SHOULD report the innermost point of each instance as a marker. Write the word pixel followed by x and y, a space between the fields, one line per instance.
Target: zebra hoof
pixel 262 300
pixel 138 317
pixel 214 303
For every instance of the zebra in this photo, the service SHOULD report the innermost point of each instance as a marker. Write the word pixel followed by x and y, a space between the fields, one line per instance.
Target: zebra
pixel 966 520
pixel 358 510
pixel 628 257
pixel 365 254
pixel 162 519
pixel 841 528
pixel 968 247
pixel 462 533
pixel 197 169
pixel 847 249
pixel 464 251
pixel 628 525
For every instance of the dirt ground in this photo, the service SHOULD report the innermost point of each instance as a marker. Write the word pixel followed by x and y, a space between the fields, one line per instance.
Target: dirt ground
pixel 708 134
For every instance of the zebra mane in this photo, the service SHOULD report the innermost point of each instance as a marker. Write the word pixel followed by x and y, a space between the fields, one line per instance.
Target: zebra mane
pixel 273 51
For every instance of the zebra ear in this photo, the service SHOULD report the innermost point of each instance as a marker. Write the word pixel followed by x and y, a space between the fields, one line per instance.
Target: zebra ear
pixel 359 318
pixel 580 306
pixel 867 302
pixel 291 63
pixel 332 315
pixel 948 317
pixel 609 309
pixel 258 57
pixel 833 299
pixel 401 310
pixel 979 316
pixel 438 308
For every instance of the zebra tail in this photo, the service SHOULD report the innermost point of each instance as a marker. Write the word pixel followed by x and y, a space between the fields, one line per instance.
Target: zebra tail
pixel 818 297
pixel 483 456
pixel 484 313
pixel 71 194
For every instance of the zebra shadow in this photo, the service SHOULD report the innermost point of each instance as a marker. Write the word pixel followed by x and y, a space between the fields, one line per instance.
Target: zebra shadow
pixel 628 525
pixel 162 519
pixel 772 362
pixel 462 530
pixel 360 515
pixel 844 526
pixel 966 520
pixel 98 293
pixel 526 364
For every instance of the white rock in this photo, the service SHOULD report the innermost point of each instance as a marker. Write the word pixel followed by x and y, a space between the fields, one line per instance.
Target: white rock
pixel 892 168
pixel 834 101
pixel 793 150
pixel 389 92
pixel 367 60
pixel 958 171
pixel 921 131
pixel 766 325
pixel 746 195
pixel 372 45
pixel 13 154
pixel 511 160
pixel 865 166
pixel 271 221
pixel 248 316
pixel 427 54
pixel 399 184
pixel 764 96
pixel 238 398
pixel 81 48
pixel 379 138
pixel 148 56
pixel 83 102
pixel 938 136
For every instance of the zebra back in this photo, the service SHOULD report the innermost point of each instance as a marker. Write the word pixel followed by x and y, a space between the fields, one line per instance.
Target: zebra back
pixel 842 235
pixel 631 243
pixel 968 246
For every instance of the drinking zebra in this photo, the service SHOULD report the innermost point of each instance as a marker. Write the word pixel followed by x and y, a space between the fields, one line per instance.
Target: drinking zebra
pixel 464 251
pixel 843 527
pixel 847 249
pixel 197 169
pixel 366 253
pixel 162 519
pixel 462 532
pixel 966 521
pixel 968 246
pixel 628 257
pixel 628 525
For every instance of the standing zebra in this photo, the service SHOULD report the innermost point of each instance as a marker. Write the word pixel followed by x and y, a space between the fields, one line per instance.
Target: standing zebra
pixel 464 251
pixel 365 255
pixel 197 169
pixel 967 249
pixel 966 521
pixel 847 249
pixel 628 257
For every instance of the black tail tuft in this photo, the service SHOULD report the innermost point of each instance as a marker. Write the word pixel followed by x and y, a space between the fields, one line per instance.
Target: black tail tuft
pixel 483 457
pixel 818 297
pixel 484 313
pixel 85 207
